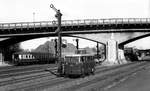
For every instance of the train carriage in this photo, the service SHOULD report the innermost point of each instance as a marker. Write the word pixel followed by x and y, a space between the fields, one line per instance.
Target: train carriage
pixel 32 58
pixel 131 54
pixel 78 64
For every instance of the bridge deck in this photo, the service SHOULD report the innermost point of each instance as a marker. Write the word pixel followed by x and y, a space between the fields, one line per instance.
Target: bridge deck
pixel 119 24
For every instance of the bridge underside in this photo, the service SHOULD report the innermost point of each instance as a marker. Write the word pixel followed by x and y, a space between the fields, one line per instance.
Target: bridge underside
pixel 103 38
pixel 17 39
pixel 121 38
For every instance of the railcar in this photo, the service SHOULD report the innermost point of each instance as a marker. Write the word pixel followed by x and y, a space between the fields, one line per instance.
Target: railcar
pixel 131 54
pixel 144 55
pixel 32 58
pixel 77 64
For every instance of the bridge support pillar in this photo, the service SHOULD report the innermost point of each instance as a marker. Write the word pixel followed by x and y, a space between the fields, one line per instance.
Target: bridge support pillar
pixel 1 57
pixel 114 55
pixel 121 57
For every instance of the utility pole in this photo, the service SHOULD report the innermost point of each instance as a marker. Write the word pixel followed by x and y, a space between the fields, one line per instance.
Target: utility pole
pixel 56 52
pixel 58 31
pixel 77 41
pixel 97 49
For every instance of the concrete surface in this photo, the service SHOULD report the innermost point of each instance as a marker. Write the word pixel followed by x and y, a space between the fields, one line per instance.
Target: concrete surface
pixel 138 82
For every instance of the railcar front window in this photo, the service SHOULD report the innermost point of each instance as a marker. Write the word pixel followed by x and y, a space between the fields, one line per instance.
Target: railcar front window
pixel 72 59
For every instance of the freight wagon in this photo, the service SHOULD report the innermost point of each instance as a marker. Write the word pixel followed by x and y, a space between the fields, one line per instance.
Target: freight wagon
pixel 33 58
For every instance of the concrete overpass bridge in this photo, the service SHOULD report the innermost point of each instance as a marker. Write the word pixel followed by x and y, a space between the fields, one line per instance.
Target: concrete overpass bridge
pixel 120 30
pixel 127 28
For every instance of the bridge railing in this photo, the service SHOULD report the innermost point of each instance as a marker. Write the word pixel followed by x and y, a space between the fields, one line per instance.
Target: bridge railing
pixel 74 23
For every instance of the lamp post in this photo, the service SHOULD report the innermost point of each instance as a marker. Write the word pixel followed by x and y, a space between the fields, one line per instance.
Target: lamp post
pixel 33 16
pixel 58 30
pixel 77 43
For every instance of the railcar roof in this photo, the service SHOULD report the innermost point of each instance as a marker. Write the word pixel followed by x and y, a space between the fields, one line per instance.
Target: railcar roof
pixel 76 55
pixel 31 53
pixel 21 53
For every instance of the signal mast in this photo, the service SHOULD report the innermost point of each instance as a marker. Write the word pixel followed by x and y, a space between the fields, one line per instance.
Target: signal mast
pixel 58 30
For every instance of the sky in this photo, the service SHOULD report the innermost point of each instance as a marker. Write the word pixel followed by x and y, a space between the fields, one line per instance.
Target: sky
pixel 26 10
pixel 39 10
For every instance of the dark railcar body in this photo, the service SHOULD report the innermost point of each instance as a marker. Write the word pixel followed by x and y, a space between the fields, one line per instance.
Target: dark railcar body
pixel 131 54
pixel 79 64
pixel 33 58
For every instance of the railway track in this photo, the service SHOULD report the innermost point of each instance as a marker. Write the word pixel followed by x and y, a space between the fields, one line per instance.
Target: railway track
pixel 31 75
pixel 28 79
pixel 51 82
pixel 81 83
pixel 23 70
pixel 25 75
pixel 14 68
pixel 18 74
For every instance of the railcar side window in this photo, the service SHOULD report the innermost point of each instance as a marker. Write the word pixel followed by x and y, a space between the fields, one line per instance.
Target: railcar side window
pixel 33 57
pixel 26 57
pixel 83 59
pixel 20 56
pixel 67 59
pixel 75 59
pixel 90 58
pixel 30 56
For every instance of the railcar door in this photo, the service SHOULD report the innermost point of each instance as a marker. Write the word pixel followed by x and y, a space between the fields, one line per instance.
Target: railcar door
pixel 88 64
pixel 92 64
pixel 85 65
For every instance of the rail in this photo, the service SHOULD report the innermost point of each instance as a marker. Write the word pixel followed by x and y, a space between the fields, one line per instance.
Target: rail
pixel 74 23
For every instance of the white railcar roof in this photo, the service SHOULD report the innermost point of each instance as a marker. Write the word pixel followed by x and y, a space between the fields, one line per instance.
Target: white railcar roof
pixel 78 55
